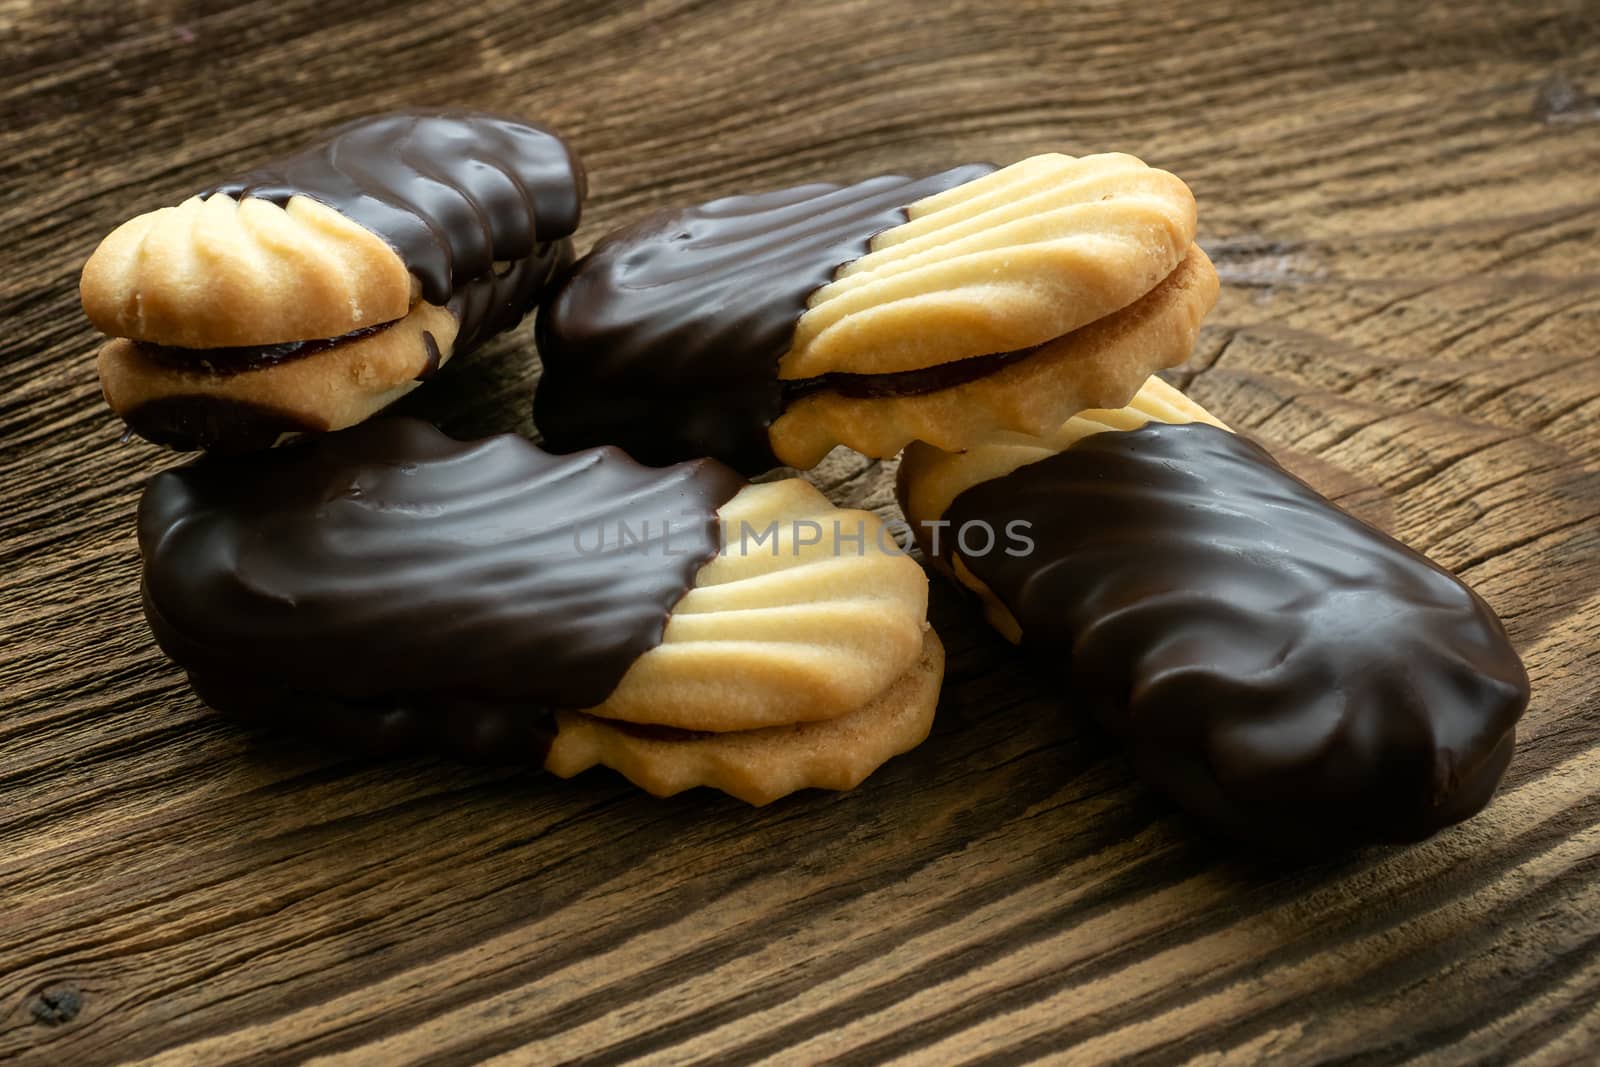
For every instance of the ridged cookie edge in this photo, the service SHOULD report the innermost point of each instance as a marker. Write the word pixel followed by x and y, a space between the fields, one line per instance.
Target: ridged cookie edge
pixel 1098 366
pixel 224 273
pixel 760 766
pixel 1008 261
pixel 795 620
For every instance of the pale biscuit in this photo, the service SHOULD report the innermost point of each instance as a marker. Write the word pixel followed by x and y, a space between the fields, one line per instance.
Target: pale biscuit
pixel 337 387
pixel 809 611
pixel 1095 366
pixel 1008 261
pixel 226 273
pixel 930 479
pixel 759 766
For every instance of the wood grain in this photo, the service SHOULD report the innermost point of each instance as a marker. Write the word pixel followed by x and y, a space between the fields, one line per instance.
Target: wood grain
pixel 1403 201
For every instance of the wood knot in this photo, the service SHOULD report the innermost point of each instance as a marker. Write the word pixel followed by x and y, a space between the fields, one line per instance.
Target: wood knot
pixel 57 1003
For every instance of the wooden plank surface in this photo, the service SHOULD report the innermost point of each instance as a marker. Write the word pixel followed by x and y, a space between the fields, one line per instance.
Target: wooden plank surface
pixel 1402 200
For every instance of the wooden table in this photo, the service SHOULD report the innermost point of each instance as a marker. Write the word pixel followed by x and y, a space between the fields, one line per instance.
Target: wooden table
pixel 1402 200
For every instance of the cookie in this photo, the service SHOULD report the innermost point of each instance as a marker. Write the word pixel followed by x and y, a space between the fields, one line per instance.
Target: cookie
pixel 399 590
pixel 807 612
pixel 1281 669
pixel 312 292
pixel 766 329
pixel 1103 362
pixel 759 766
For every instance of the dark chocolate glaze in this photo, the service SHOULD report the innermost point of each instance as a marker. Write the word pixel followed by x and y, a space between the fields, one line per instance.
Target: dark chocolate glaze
pixel 431 367
pixel 474 731
pixel 225 362
pixel 498 301
pixel 1280 668
pixel 387 572
pixel 452 192
pixel 908 382
pixel 215 423
pixel 665 339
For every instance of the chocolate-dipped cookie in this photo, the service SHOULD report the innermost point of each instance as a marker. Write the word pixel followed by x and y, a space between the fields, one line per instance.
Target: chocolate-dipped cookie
pixel 317 289
pixel 1280 668
pixel 395 589
pixel 768 329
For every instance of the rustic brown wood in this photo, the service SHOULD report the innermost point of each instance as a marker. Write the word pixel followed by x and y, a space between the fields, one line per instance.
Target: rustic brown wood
pixel 1403 202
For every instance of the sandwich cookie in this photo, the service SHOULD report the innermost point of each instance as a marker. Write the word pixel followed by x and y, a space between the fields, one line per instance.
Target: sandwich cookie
pixel 1280 668
pixel 399 591
pixel 765 330
pixel 312 292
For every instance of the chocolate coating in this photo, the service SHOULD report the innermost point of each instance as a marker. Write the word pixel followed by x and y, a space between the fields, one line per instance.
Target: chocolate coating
pixel 225 362
pixel 665 339
pixel 386 573
pixel 473 731
pixel 498 301
pixel 213 422
pixel 1277 666
pixel 908 382
pixel 452 192
pixel 435 357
